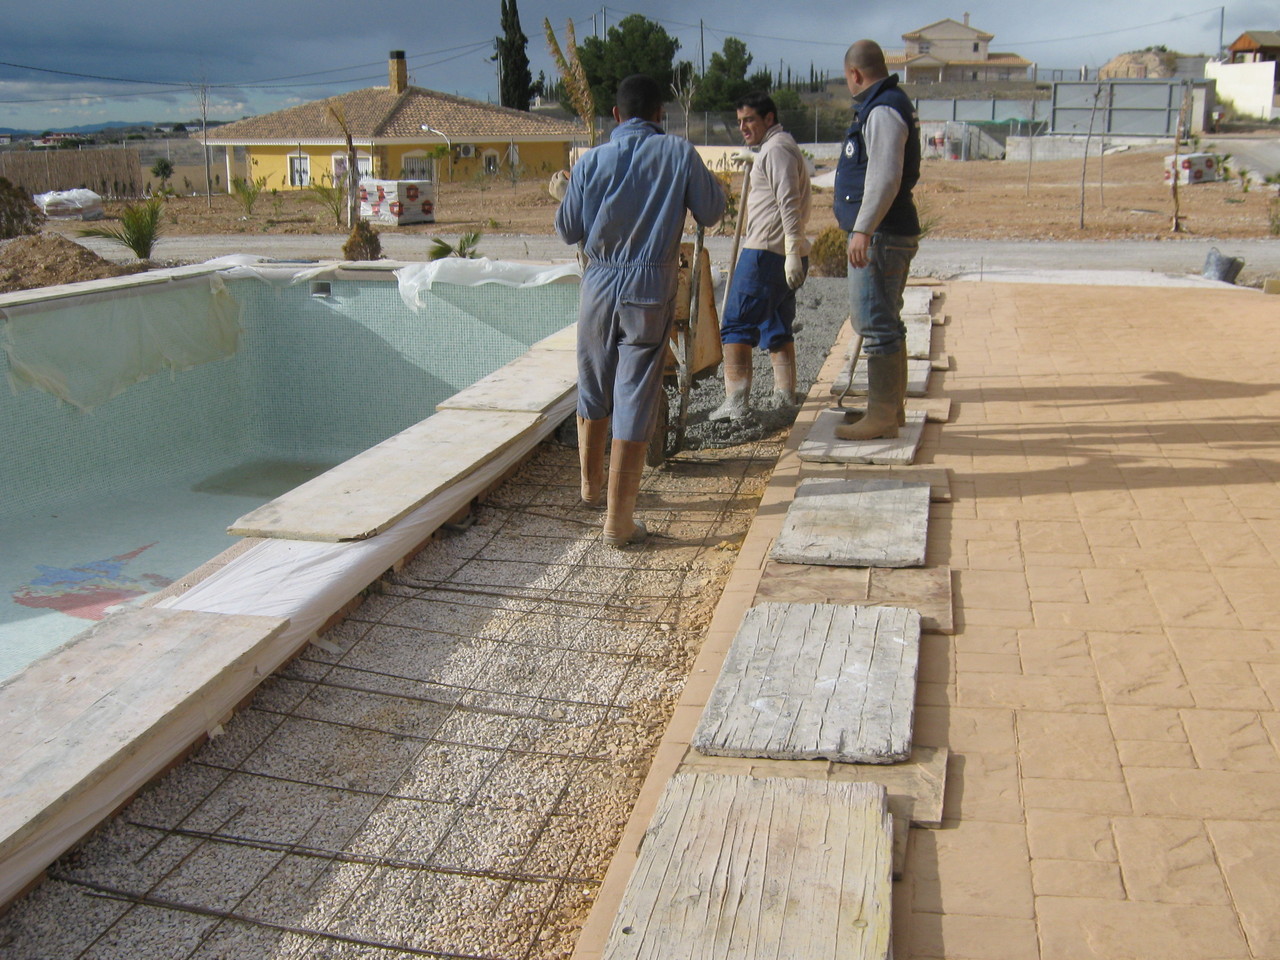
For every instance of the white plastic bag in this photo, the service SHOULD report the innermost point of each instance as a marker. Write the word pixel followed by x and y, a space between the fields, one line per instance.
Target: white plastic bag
pixel 70 205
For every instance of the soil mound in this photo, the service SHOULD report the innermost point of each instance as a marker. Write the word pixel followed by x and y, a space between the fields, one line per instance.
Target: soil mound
pixel 46 259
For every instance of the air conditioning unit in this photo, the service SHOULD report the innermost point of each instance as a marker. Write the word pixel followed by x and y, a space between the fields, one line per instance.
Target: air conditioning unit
pixel 466 150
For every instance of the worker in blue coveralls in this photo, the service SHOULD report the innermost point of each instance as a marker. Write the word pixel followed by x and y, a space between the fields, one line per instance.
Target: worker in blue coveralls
pixel 878 167
pixel 761 306
pixel 625 203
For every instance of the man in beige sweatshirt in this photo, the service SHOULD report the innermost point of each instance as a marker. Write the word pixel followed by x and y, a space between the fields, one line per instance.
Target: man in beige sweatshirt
pixel 761 306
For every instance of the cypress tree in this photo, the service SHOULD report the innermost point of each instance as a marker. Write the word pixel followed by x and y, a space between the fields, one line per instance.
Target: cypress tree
pixel 516 86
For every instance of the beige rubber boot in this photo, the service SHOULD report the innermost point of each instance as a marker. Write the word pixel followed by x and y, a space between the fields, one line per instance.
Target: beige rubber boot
pixel 737 383
pixel 853 416
pixel 626 465
pixel 784 375
pixel 591 440
pixel 884 393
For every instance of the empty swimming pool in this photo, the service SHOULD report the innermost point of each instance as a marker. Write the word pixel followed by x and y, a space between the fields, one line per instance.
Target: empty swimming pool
pixel 147 416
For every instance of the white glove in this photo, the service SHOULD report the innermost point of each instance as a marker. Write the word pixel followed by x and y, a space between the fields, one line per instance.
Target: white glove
pixel 794 267
pixel 743 158
pixel 559 184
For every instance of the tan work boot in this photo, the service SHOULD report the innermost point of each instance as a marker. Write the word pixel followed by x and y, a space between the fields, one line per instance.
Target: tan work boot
pixel 884 393
pixel 853 416
pixel 784 375
pixel 591 438
pixel 737 383
pixel 626 465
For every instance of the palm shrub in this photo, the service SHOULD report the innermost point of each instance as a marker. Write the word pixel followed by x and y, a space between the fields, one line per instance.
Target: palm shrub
pixel 19 215
pixel 465 248
pixel 247 192
pixel 330 193
pixel 139 228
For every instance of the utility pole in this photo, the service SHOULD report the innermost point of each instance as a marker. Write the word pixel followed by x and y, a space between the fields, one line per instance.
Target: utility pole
pixel 702 48
pixel 1222 15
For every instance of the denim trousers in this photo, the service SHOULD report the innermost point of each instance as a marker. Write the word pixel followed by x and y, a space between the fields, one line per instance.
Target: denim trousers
pixel 875 293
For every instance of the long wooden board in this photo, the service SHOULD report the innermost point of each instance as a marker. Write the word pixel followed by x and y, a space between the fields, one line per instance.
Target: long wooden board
pixel 532 383
pixel 735 868
pixel 374 489
pixel 926 589
pixel 855 523
pixel 821 445
pixel 917 378
pixel 156 680
pixel 806 681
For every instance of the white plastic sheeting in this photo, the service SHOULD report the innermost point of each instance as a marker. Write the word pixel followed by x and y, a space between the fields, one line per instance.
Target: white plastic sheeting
pixel 70 205
pixel 308 581
pixel 87 349
pixel 247 266
pixel 416 279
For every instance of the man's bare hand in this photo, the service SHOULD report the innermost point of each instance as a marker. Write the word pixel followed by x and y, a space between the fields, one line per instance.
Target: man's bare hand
pixel 859 247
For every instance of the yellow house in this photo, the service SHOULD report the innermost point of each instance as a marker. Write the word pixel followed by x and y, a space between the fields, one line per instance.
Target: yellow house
pixel 399 132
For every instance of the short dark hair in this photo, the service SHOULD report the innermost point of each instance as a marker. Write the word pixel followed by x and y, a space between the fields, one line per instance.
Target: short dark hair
pixel 639 96
pixel 760 102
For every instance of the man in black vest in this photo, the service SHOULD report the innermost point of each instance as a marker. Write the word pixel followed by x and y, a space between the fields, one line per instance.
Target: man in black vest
pixel 879 165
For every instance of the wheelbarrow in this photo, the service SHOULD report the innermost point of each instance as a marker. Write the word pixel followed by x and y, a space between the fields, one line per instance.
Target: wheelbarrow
pixel 693 353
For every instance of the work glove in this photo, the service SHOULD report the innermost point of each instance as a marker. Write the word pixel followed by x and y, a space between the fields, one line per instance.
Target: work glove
pixel 743 158
pixel 559 184
pixel 794 267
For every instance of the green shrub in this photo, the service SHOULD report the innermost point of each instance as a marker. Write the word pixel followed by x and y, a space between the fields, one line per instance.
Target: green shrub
pixel 19 215
pixel 330 194
pixel 363 243
pixel 466 248
pixel 139 228
pixel 247 192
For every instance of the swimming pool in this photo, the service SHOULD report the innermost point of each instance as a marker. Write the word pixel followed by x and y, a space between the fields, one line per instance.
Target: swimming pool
pixel 129 477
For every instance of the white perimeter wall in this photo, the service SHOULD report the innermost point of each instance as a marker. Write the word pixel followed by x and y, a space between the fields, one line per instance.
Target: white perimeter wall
pixel 1249 86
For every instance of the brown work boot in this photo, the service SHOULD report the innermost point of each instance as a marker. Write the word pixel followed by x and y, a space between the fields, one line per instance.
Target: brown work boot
pixel 626 465
pixel 737 383
pixel 884 393
pixel 591 440
pixel 784 375
pixel 853 416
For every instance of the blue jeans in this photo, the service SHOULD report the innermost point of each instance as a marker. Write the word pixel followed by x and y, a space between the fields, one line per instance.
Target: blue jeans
pixel 761 308
pixel 875 293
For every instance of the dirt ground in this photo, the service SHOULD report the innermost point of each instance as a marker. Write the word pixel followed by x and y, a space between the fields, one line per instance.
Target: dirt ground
pixel 1125 196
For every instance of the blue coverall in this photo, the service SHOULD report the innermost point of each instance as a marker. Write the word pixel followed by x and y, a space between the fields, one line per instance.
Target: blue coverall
pixel 626 204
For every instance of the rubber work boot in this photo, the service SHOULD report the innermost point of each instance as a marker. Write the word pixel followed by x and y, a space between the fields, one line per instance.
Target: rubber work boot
pixel 884 393
pixel 737 383
pixel 853 416
pixel 591 441
pixel 626 465
pixel 784 375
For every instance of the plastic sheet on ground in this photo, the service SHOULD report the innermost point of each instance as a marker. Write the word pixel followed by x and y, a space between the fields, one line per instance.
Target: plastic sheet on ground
pixel 70 205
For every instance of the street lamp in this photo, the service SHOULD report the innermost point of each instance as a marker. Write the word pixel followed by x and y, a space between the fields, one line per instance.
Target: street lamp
pixel 447 142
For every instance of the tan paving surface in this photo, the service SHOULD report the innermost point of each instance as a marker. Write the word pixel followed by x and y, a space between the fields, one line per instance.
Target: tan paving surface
pixel 1111 694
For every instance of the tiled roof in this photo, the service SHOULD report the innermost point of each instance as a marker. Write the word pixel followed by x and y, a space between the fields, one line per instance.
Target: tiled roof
pixel 377 113
pixel 1261 38
pixel 993 60
pixel 917 34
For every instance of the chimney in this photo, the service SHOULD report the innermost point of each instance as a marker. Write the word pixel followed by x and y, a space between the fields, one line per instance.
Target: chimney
pixel 397 72
pixel 966 19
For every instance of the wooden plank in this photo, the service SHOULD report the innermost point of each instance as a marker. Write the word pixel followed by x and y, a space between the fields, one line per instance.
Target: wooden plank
pixel 563 339
pixel 919 337
pixel 821 445
pixel 533 383
pixel 855 523
pixel 916 787
pixel 917 378
pixel 935 409
pixel 374 489
pixel 805 681
pixel 926 589
pixel 102 743
pixel 917 300
pixel 735 868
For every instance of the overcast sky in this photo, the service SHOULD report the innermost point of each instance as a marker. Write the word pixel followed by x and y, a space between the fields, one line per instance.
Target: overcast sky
pixel 66 63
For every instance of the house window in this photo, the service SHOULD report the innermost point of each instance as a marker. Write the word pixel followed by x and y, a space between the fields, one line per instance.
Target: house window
pixel 491 162
pixel 975 48
pixel 299 170
pixel 924 46
pixel 418 168
pixel 974 76
pixel 364 165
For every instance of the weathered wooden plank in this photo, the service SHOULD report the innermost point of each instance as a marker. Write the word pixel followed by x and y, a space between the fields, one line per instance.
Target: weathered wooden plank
pixel 935 409
pixel 563 339
pixel 806 681
pixel 97 746
pixel 919 337
pixel 735 868
pixel 823 446
pixel 917 378
pixel 374 489
pixel 533 383
pixel 926 589
pixel 855 523
pixel 917 300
